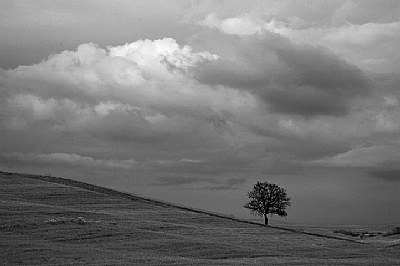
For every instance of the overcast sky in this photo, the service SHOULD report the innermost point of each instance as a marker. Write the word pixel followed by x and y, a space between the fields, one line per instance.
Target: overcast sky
pixel 194 101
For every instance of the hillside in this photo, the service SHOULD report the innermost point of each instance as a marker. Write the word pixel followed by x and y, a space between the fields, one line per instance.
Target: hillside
pixel 54 221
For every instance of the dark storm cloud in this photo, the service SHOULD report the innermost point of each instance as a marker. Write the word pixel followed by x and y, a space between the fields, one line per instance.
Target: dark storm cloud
pixel 386 174
pixel 307 101
pixel 290 78
pixel 387 169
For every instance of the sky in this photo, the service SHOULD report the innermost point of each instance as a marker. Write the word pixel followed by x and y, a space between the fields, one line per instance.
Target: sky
pixel 193 102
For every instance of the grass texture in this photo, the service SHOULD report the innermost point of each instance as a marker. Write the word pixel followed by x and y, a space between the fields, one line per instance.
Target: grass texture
pixel 47 220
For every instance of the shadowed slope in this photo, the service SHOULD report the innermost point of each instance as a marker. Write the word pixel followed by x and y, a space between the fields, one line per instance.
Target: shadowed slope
pixel 48 220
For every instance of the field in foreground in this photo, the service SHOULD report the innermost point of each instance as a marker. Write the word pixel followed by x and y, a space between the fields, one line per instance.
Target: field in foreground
pixel 54 221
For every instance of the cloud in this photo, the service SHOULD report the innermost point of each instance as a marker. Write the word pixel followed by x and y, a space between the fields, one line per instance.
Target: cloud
pixel 140 91
pixel 183 166
pixel 244 25
pixel 90 72
pixel 344 30
pixel 363 156
pixel 27 110
pixel 69 160
pixel 213 183
pixel 182 180
pixel 365 34
pixel 289 78
pixel 386 174
pixel 219 162
pixel 235 181
pixel 259 104
pixel 349 32
pixel 237 25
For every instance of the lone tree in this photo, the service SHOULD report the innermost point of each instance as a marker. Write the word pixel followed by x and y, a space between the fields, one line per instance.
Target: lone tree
pixel 267 199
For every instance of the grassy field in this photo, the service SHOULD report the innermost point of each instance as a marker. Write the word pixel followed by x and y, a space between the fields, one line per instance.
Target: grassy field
pixel 53 221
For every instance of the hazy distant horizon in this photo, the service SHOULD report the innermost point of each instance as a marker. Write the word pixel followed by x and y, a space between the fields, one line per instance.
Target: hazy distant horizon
pixel 194 101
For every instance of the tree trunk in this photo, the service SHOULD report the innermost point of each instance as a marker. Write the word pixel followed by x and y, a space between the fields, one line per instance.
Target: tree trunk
pixel 266 219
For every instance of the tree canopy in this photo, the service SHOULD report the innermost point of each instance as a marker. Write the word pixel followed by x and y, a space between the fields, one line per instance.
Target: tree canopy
pixel 267 198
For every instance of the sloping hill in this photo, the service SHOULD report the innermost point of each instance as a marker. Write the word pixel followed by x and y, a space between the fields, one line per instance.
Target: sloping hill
pixel 54 221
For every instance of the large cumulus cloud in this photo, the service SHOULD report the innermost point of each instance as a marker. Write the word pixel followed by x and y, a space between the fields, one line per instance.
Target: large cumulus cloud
pixel 134 101
pixel 251 104
pixel 141 89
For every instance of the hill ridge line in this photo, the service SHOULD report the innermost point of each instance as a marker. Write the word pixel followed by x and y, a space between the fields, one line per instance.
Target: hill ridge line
pixel 115 192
